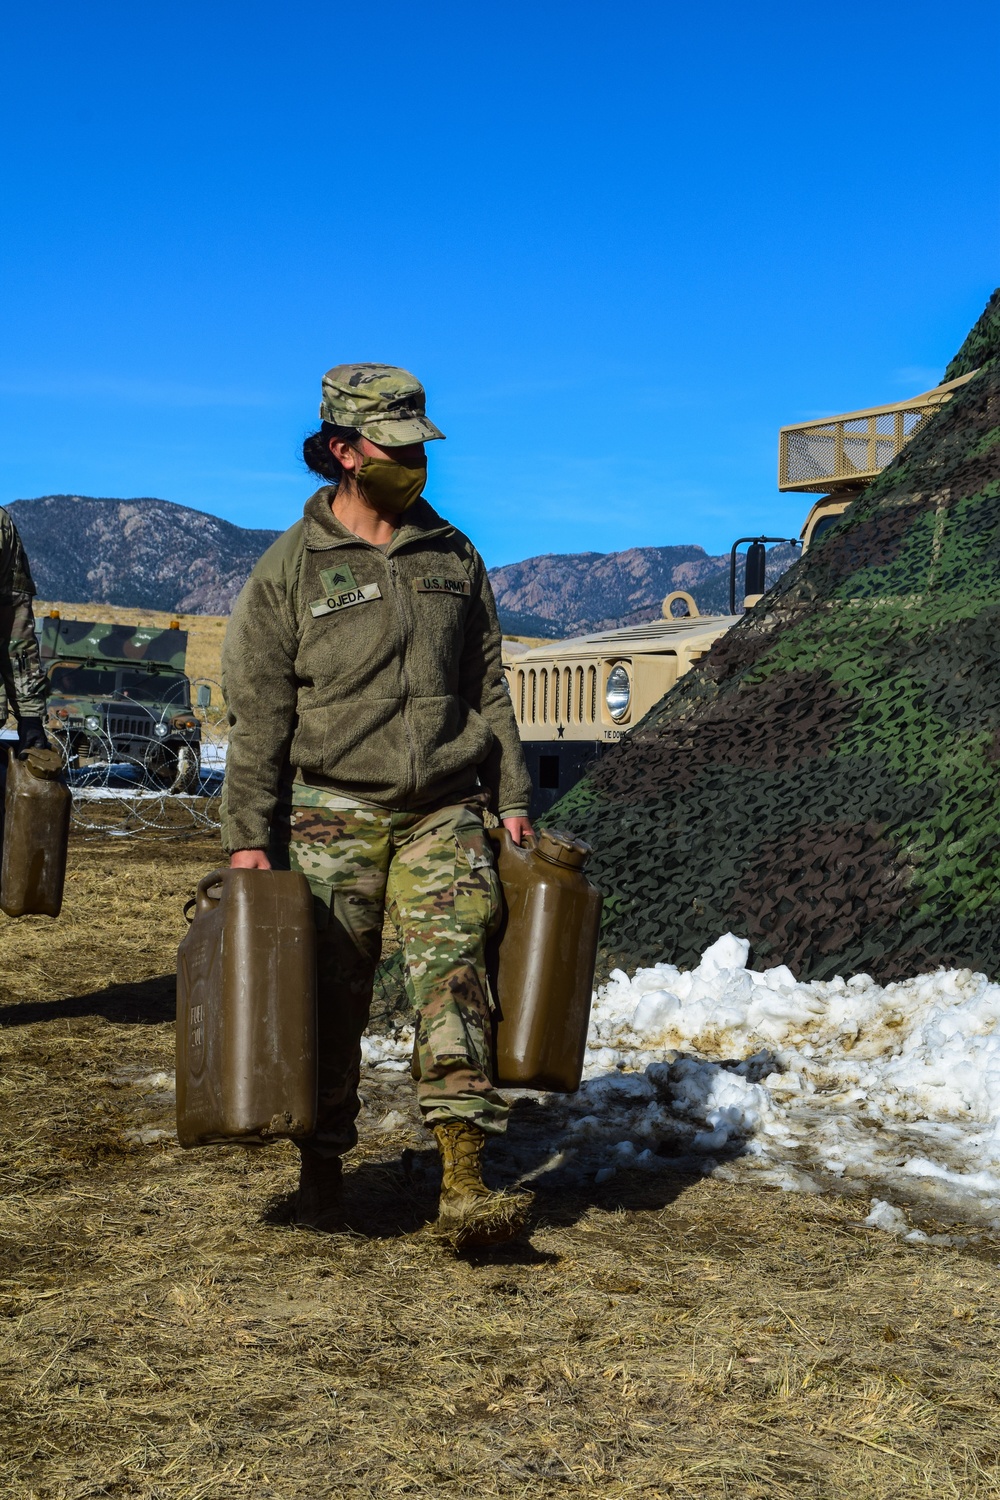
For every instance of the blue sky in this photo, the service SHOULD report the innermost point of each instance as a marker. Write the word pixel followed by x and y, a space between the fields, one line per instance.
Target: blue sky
pixel 619 243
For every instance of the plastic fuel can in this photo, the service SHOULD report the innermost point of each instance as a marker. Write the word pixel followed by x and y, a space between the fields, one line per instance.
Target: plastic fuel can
pixel 542 960
pixel 246 1010
pixel 35 834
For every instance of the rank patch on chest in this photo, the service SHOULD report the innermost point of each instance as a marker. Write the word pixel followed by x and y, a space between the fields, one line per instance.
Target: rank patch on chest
pixel 345 599
pixel 335 580
pixel 443 586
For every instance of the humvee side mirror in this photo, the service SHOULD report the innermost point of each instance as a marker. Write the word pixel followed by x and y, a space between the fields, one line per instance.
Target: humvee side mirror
pixel 204 695
pixel 756 563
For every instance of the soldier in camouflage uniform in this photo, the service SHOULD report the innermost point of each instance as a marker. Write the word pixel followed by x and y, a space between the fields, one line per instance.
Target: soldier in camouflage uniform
pixel 23 685
pixel 370 728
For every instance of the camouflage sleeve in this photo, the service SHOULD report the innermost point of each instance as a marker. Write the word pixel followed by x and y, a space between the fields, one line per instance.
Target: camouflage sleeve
pixel 258 681
pixel 20 665
pixel 28 686
pixel 483 686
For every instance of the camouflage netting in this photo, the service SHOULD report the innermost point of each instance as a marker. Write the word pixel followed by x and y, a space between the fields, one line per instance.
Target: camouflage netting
pixel 827 781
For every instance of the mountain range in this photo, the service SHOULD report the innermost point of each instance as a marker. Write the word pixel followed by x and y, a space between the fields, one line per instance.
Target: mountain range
pixel 158 555
pixel 143 552
pixel 564 594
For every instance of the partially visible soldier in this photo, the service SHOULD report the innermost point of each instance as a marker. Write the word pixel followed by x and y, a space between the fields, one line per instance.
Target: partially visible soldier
pixel 370 727
pixel 23 685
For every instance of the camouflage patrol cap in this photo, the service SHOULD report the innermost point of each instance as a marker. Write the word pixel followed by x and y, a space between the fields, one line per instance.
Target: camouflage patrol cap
pixel 386 403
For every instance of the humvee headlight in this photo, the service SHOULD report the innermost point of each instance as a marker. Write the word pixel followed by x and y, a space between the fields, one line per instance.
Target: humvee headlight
pixel 618 692
pixel 161 731
pixel 92 721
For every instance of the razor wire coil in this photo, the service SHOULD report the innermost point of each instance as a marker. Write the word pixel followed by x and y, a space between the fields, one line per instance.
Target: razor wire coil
pixel 132 782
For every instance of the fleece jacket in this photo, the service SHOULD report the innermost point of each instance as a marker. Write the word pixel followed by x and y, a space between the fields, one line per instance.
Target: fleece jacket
pixel 374 673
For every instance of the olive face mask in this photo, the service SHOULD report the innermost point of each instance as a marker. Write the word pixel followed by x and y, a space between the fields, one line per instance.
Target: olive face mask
pixel 390 486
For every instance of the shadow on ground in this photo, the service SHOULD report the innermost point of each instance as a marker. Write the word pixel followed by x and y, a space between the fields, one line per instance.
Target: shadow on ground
pixel 390 1199
pixel 149 1002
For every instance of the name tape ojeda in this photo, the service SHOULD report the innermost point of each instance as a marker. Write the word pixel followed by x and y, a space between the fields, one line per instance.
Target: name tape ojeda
pixel 359 595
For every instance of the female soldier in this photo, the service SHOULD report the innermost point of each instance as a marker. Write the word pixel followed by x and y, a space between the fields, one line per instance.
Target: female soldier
pixel 370 726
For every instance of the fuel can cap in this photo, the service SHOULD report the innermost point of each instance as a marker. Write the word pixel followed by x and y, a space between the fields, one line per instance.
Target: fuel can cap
pixel 561 848
pixel 45 764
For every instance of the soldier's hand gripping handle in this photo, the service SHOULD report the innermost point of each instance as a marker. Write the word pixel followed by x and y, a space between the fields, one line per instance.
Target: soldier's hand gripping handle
pixel 249 859
pixel 31 734
pixel 519 829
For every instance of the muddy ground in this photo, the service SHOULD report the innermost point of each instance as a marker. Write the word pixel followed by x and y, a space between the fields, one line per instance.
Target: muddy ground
pixel 166 1333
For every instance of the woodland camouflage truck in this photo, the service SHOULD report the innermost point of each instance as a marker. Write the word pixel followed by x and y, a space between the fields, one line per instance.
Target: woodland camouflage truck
pixel 575 698
pixel 119 694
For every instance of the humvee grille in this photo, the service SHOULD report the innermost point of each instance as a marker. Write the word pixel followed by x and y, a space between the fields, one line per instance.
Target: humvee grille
pixel 555 695
pixel 121 725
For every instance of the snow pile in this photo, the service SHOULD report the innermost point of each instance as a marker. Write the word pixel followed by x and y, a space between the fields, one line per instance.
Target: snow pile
pixel 800 1084
pixel 892 1089
pixel 391 1053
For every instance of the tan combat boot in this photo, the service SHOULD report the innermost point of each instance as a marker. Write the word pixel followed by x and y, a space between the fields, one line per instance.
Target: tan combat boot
pixel 319 1202
pixel 470 1215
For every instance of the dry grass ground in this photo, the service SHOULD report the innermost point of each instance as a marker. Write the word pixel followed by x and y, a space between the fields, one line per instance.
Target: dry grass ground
pixel 169 1336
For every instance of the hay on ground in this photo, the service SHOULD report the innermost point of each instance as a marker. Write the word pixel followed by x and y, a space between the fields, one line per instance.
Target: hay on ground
pixel 169 1336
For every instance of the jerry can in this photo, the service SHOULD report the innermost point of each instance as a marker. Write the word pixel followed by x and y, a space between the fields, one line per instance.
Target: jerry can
pixel 542 960
pixel 35 834
pixel 246 1010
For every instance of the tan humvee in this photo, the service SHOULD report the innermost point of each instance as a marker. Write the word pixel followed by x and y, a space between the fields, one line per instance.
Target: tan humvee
pixel 574 698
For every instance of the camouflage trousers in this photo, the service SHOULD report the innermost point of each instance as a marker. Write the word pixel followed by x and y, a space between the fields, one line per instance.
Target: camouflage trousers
pixel 434 872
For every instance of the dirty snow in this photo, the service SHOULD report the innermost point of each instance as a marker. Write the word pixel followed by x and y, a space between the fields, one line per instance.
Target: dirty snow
pixel 888 1091
pixel 842 1083
pixel 391 1053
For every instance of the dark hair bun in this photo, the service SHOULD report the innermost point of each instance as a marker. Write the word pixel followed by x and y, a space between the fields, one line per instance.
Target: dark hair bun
pixel 316 453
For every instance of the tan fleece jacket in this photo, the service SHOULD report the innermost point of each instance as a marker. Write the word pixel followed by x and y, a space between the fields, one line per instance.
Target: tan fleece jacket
pixel 375 674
